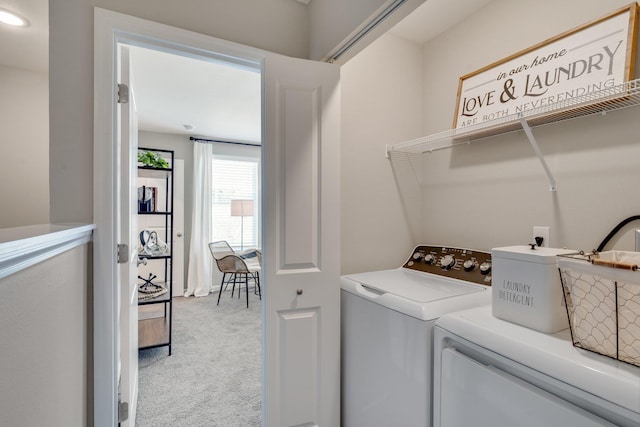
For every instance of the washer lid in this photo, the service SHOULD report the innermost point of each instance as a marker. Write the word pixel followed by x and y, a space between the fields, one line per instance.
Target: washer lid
pixel 414 286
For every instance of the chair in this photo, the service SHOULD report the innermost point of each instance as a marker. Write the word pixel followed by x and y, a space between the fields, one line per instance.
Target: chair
pixel 219 250
pixel 240 266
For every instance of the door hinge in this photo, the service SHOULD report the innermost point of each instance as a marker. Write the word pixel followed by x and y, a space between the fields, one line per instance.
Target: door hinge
pixel 123 93
pixel 123 411
pixel 123 253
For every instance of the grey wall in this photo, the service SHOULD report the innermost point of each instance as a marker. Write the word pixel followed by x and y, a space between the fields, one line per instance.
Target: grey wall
pixel 24 175
pixel 282 26
pixel 276 25
pixel 45 369
pixel 493 192
pixel 332 22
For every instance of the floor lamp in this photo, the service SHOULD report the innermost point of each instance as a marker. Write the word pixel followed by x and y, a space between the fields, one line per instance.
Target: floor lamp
pixel 242 208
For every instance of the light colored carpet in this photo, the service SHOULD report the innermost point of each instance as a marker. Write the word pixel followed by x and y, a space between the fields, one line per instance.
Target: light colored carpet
pixel 213 376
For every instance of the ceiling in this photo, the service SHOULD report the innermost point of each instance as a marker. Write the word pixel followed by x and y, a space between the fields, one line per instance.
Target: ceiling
pixel 217 100
pixel 180 95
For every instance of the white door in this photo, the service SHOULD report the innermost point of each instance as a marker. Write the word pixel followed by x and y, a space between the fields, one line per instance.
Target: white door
pixel 178 228
pixel 128 133
pixel 301 226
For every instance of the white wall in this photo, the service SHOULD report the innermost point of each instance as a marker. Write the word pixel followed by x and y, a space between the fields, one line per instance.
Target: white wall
pixel 24 175
pixel 381 104
pixel 492 193
pixel 183 149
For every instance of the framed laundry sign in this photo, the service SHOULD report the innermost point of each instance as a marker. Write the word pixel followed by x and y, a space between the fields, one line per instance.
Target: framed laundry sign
pixel 587 59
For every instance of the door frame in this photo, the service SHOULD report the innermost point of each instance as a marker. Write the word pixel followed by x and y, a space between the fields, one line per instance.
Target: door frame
pixel 110 29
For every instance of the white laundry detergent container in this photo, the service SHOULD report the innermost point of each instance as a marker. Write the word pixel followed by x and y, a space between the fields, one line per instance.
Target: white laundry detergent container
pixel 527 288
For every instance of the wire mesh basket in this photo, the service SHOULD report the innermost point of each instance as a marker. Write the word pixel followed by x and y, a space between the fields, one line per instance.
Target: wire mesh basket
pixel 602 295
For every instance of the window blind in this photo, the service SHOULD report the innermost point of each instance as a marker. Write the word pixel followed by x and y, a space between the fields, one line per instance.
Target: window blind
pixel 235 179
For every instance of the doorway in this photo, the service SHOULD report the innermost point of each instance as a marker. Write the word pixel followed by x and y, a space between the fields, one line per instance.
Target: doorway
pixel 149 35
pixel 179 99
pixel 301 129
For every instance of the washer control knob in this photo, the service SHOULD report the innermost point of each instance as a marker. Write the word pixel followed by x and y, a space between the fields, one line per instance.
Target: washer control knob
pixel 417 256
pixel 485 268
pixel 429 259
pixel 447 262
pixel 469 265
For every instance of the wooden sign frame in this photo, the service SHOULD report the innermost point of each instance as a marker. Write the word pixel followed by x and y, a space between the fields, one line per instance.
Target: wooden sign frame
pixel 585 59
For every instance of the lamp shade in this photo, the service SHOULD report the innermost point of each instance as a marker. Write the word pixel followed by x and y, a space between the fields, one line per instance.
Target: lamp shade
pixel 242 207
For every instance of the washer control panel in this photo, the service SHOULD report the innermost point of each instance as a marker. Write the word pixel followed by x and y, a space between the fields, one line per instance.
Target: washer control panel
pixel 457 263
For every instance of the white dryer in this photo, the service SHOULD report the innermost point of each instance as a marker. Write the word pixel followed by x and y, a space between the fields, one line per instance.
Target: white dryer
pixel 387 332
pixel 489 372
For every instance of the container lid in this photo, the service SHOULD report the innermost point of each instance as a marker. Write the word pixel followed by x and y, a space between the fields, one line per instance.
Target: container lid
pixel 539 255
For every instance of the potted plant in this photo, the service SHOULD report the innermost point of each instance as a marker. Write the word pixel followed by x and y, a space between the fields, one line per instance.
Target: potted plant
pixel 151 159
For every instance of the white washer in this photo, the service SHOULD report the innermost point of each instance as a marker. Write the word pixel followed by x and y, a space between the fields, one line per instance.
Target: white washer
pixel 387 332
pixel 504 374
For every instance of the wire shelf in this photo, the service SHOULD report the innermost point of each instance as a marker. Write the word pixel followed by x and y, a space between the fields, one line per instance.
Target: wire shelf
pixel 599 102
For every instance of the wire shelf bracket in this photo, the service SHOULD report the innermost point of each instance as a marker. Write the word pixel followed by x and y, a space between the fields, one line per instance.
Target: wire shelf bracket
pixel 536 149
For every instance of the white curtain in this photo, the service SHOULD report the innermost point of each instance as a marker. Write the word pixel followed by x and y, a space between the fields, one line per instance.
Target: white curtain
pixel 199 280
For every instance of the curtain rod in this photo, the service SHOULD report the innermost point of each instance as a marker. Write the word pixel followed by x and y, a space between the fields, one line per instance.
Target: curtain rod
pixel 193 138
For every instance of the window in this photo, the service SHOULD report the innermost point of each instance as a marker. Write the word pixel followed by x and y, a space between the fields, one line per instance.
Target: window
pixel 236 184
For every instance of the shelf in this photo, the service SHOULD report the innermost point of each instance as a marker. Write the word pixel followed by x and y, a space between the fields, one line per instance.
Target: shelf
pixel 162 298
pixel 147 256
pixel 153 332
pixel 156 331
pixel 155 213
pixel 151 172
pixel 600 102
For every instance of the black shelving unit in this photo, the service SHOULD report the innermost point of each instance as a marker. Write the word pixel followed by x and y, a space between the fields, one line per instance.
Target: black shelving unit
pixel 156 331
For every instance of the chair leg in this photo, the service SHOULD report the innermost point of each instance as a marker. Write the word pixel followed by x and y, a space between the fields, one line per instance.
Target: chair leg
pixel 254 276
pixel 233 289
pixel 258 285
pixel 226 285
pixel 239 284
pixel 221 285
pixel 256 280
pixel 246 287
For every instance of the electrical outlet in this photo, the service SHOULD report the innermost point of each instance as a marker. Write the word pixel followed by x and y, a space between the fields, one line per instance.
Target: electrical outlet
pixel 543 232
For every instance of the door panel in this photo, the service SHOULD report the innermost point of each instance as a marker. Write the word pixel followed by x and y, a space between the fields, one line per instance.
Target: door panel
pixel 298 366
pixel 300 196
pixel 301 241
